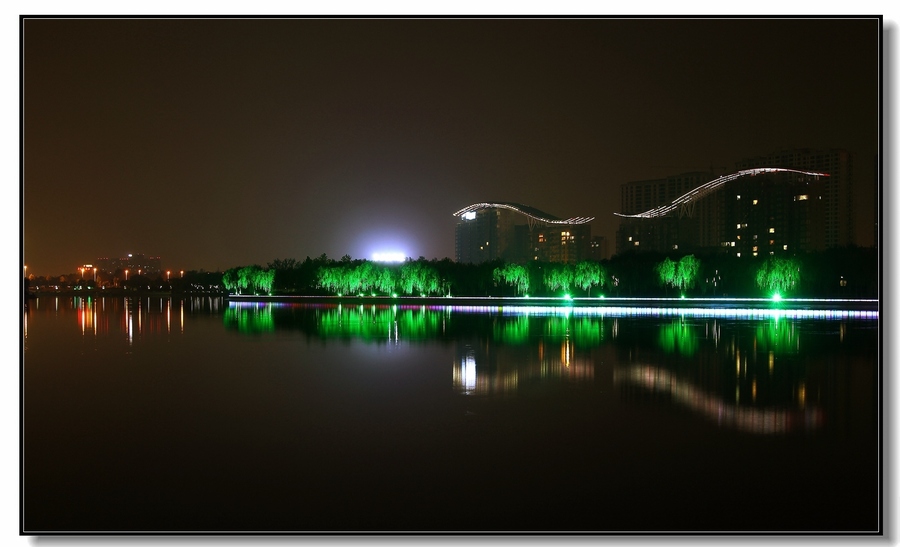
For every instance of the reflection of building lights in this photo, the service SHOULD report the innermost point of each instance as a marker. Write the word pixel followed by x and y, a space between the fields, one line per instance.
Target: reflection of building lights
pixel 468 372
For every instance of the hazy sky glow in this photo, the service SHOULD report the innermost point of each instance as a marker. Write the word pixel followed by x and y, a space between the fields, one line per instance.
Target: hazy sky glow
pixel 216 143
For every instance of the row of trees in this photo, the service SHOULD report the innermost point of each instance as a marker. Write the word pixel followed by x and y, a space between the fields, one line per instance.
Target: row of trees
pixel 850 272
pixel 410 278
pixel 556 277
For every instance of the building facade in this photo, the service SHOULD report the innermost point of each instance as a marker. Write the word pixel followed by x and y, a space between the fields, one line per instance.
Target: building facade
pixel 517 233
pixel 672 232
pixel 779 209
pixel 836 192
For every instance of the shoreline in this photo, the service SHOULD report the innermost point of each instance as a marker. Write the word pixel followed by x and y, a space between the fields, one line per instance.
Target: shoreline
pixel 508 301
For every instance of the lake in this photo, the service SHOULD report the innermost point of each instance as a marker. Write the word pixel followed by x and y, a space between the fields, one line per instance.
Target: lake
pixel 205 415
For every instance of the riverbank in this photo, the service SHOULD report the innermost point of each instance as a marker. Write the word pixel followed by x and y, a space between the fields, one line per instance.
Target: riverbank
pixel 596 302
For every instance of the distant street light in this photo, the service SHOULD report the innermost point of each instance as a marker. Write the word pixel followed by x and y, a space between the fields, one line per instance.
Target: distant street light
pixel 95 275
pixel 182 273
pixel 82 272
pixel 126 275
pixel 167 274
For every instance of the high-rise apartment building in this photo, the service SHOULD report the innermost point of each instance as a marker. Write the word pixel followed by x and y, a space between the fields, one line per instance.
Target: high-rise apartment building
pixel 774 211
pixel 517 233
pixel 837 191
pixel 672 232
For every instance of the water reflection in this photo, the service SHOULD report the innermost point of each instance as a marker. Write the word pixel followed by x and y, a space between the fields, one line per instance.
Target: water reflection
pixel 728 413
pixel 765 374
pixel 129 317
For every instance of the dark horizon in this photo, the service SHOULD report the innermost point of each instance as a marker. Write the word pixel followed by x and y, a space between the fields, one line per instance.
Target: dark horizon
pixel 215 142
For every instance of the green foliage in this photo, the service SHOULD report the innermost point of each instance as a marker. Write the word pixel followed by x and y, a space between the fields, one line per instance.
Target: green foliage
pixel 246 279
pixel 589 274
pixel 679 275
pixel 418 277
pixel 414 277
pixel 558 276
pixel 513 274
pixel 778 275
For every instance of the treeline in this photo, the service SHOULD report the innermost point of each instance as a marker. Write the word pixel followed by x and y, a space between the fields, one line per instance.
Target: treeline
pixel 837 273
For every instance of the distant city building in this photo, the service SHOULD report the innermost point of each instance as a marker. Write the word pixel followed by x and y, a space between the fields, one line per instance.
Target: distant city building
pixel 519 233
pixel 134 263
pixel 599 248
pixel 672 232
pixel 836 193
pixel 781 208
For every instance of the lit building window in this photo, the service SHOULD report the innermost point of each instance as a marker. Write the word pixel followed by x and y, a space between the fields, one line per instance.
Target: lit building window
pixel 629 238
pixel 771 230
pixel 739 255
pixel 755 201
pixel 755 248
pixel 738 226
pixel 801 197
pixel 732 243
pixel 755 254
pixel 636 243
pixel 739 196
pixel 785 247
pixel 771 242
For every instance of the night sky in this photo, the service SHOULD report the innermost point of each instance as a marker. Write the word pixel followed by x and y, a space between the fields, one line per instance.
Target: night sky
pixel 215 143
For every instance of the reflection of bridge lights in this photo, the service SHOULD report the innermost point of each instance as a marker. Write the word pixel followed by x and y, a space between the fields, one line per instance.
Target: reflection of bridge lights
pixel 755 420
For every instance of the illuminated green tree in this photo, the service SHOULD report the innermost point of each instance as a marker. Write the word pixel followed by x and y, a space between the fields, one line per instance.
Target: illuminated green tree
pixel 385 280
pixel 688 269
pixel 589 274
pixel 229 279
pixel 778 275
pixel 417 277
pixel 667 273
pixel 678 275
pixel 558 277
pixel 365 275
pixel 513 274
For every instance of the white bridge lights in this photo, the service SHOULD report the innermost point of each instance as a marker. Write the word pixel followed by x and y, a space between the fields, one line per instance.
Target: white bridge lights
pixel 710 187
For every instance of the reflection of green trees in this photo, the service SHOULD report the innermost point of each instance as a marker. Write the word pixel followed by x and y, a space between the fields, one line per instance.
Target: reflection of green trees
pixel 678 337
pixel 511 330
pixel 250 319
pixel 777 336
pixel 372 323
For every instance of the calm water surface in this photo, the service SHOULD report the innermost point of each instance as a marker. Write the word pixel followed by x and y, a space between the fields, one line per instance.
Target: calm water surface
pixel 204 415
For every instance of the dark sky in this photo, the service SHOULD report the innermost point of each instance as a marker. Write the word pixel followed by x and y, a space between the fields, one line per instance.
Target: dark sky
pixel 216 143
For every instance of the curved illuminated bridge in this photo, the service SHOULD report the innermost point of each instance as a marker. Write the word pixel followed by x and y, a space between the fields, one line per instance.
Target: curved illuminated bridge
pixel 534 215
pixel 684 204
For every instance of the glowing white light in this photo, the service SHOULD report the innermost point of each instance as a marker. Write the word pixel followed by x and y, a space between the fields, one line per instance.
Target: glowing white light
pixel 469 215
pixel 468 372
pixel 388 257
